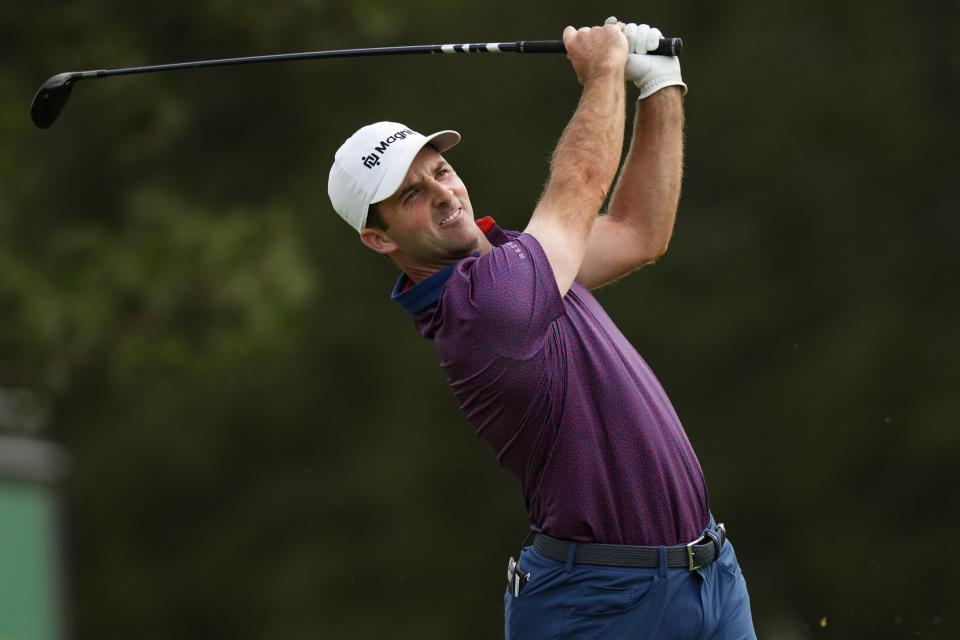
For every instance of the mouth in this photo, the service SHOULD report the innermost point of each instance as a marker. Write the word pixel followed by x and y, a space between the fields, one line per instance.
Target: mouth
pixel 453 217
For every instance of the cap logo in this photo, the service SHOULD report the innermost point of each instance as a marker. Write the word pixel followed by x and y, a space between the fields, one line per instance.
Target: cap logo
pixel 373 159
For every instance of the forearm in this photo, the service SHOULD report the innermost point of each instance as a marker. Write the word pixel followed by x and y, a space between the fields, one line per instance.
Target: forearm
pixel 582 170
pixel 647 192
pixel 585 160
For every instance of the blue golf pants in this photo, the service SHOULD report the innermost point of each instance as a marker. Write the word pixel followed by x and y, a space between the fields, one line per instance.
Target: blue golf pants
pixel 566 600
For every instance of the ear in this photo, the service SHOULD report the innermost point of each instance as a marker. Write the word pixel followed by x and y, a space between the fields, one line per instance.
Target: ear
pixel 377 240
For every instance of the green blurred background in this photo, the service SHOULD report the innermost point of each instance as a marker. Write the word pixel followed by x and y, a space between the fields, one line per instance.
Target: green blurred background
pixel 262 447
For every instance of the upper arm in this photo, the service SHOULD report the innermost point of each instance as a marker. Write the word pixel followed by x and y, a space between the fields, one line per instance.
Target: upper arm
pixel 507 298
pixel 564 247
pixel 614 249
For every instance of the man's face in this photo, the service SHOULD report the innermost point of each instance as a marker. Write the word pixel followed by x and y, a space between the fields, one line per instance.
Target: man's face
pixel 429 219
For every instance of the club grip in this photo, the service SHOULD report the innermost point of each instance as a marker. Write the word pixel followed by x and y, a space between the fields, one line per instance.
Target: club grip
pixel 667 47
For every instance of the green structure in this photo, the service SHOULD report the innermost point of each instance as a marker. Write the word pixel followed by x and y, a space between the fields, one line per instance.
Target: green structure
pixel 30 581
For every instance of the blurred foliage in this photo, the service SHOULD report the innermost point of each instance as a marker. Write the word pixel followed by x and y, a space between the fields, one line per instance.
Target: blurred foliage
pixel 263 448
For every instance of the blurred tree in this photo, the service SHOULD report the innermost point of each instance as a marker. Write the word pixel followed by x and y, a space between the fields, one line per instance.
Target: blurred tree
pixel 264 448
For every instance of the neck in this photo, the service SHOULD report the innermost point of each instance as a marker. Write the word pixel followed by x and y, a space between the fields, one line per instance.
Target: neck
pixel 418 270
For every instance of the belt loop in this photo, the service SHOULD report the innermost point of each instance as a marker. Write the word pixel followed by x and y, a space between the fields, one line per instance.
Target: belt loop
pixel 718 535
pixel 663 561
pixel 571 552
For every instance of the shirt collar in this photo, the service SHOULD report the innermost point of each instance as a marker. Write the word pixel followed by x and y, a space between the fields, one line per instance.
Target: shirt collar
pixel 418 297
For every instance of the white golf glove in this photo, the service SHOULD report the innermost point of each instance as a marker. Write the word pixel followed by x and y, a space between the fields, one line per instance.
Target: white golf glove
pixel 649 73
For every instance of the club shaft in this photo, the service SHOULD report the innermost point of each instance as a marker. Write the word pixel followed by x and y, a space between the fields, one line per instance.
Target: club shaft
pixel 668 46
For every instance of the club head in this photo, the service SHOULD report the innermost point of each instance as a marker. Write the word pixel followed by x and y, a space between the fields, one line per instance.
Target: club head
pixel 51 97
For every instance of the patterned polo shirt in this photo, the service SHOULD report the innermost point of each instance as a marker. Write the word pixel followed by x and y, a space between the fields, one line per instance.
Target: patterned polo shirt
pixel 565 401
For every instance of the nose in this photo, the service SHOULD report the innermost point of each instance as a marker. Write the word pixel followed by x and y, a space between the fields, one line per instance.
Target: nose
pixel 441 194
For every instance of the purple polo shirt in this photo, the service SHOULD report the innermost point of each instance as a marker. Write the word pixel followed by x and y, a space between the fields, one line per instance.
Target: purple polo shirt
pixel 568 405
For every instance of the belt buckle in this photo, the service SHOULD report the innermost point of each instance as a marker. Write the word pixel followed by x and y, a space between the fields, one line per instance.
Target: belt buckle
pixel 691 558
pixel 719 535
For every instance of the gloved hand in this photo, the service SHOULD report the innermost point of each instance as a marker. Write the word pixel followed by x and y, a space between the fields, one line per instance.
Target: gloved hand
pixel 649 73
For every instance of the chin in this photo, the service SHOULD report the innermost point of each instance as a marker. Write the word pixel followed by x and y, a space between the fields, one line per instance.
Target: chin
pixel 473 243
pixel 457 250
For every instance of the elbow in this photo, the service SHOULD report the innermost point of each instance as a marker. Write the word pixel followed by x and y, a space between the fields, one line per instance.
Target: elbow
pixel 658 250
pixel 650 254
pixel 648 245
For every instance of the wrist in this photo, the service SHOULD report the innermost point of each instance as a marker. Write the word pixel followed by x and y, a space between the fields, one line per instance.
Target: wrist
pixel 605 74
pixel 656 84
pixel 669 93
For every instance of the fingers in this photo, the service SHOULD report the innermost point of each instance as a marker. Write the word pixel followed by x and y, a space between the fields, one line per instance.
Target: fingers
pixel 612 20
pixel 571 32
pixel 642 38
pixel 653 39
pixel 630 31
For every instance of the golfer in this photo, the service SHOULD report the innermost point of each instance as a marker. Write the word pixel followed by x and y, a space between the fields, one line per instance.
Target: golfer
pixel 623 543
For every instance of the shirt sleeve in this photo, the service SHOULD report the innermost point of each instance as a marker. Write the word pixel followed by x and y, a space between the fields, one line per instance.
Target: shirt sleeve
pixel 507 298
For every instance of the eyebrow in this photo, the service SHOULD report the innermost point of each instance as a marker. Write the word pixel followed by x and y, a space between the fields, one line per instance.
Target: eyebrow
pixel 406 189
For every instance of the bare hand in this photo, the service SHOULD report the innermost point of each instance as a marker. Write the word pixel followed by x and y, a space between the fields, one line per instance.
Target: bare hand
pixel 596 52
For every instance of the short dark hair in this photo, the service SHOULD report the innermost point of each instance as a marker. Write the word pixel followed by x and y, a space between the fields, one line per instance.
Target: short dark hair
pixel 374 219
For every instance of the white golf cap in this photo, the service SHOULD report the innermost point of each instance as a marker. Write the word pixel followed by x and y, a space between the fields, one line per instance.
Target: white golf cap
pixel 372 163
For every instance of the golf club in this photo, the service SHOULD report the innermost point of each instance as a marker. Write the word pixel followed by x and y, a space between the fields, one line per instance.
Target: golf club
pixel 53 94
